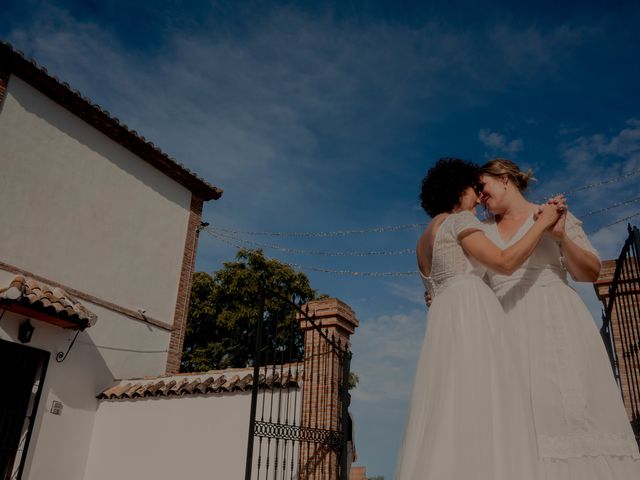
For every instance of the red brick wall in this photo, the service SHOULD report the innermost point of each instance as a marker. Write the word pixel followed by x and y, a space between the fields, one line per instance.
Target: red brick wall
pixel 358 473
pixel 322 403
pixel 184 290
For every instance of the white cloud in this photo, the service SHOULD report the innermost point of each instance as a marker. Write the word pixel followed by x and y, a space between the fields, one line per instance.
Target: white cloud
pixel 522 48
pixel 251 112
pixel 385 354
pixel 598 148
pixel 588 160
pixel 410 292
pixel 600 157
pixel 498 143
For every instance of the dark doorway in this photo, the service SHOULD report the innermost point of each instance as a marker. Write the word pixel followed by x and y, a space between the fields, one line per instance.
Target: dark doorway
pixel 22 370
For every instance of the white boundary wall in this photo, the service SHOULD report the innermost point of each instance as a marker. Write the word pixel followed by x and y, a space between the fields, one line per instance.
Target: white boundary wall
pixel 190 437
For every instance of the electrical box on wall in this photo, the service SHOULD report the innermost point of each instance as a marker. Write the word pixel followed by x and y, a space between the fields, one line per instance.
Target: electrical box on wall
pixel 56 407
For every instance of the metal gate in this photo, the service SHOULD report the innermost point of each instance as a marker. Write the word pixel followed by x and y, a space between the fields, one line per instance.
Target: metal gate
pixel 621 326
pixel 299 421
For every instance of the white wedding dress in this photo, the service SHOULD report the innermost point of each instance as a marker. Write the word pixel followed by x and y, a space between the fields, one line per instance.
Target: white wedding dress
pixel 470 417
pixel 582 429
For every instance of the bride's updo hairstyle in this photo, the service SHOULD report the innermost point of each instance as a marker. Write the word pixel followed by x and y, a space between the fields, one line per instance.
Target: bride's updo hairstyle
pixel 445 182
pixel 499 167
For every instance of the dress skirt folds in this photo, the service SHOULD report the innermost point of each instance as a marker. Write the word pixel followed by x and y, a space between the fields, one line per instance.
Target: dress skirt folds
pixel 583 432
pixel 470 416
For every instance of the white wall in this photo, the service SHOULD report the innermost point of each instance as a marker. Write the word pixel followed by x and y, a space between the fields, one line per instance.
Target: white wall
pixel 60 443
pixel 188 437
pixel 85 212
pixel 82 210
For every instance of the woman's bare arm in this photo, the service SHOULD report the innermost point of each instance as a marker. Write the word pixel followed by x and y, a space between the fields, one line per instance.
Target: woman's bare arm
pixel 582 264
pixel 507 261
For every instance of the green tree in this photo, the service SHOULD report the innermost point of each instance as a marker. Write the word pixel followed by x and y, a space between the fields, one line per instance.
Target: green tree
pixel 221 328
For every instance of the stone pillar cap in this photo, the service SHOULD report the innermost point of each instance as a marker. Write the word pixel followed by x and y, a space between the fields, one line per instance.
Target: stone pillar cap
pixel 331 312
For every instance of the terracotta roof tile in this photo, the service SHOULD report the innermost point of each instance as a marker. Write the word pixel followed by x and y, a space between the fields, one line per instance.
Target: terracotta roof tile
pixel 153 389
pixel 48 300
pixel 274 380
pixel 204 383
pixel 164 390
pixel 139 392
pixel 93 114
pixel 202 386
pixel 217 384
pixel 244 383
pixel 128 393
pixel 188 388
pixel 115 391
pixel 230 384
pixel 176 387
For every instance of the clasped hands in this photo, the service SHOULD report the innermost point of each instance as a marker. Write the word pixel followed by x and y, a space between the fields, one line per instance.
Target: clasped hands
pixel 557 231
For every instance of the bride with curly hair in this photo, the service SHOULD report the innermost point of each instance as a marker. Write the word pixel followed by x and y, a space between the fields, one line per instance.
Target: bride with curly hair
pixel 470 417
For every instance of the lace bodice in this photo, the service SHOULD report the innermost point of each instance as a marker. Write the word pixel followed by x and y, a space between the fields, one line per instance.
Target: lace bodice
pixel 545 266
pixel 448 258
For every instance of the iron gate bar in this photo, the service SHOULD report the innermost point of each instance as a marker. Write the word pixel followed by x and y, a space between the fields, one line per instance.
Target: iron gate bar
pixel 630 340
pixel 636 314
pixel 622 314
pixel 606 318
pixel 254 386
pixel 624 300
pixel 345 413
pixel 635 246
pixel 633 338
pixel 606 338
pixel 312 432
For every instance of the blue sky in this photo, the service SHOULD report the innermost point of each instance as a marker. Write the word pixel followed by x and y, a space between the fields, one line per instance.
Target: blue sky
pixel 324 116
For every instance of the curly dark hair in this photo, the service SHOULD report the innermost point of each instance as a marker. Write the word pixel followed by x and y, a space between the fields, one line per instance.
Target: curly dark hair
pixel 445 182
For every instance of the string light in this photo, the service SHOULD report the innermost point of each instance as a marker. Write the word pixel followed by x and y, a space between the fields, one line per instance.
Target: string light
pixel 408 226
pixel 231 237
pixel 355 273
pixel 357 253
pixel 353 253
pixel 610 207
pixel 327 270
pixel 633 215
pixel 391 274
pixel 336 233
pixel 600 183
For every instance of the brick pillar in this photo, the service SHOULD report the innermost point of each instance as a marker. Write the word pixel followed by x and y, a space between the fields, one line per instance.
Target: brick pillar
pixel 179 329
pixel 626 298
pixel 322 402
pixel 358 473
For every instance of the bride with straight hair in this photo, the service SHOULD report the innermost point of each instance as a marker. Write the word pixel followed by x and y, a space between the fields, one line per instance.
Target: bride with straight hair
pixel 470 416
pixel 582 430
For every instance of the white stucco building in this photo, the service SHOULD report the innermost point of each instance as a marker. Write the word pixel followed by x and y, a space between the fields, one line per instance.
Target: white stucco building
pixel 97 250
pixel 99 237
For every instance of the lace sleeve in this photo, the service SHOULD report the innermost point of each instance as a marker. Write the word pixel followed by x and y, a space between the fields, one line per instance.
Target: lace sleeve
pixel 574 230
pixel 464 222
